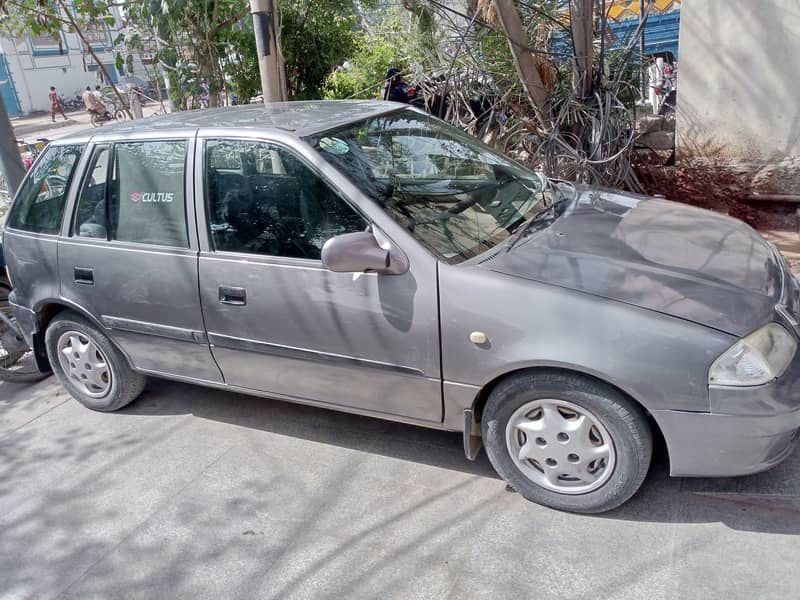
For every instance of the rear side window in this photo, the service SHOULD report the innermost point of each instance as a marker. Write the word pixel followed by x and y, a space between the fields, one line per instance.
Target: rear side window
pixel 147 199
pixel 139 198
pixel 39 206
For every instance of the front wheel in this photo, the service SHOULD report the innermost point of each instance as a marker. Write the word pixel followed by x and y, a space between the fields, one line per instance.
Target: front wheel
pixel 96 121
pixel 566 441
pixel 87 363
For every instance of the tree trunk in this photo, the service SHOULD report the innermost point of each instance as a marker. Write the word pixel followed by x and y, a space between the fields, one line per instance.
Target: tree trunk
pixel 122 100
pixel 213 89
pixel 523 60
pixel 10 159
pixel 164 65
pixel 582 20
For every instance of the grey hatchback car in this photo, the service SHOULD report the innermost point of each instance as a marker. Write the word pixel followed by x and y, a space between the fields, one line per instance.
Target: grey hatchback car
pixel 367 257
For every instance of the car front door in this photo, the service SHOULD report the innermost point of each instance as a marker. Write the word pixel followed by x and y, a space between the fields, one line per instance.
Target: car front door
pixel 129 255
pixel 279 322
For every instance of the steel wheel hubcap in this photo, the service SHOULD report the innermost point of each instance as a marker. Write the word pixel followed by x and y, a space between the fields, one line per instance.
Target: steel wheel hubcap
pixel 84 364
pixel 560 446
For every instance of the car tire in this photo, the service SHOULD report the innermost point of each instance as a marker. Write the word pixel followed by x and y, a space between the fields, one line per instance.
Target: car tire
pixel 537 441
pixel 87 363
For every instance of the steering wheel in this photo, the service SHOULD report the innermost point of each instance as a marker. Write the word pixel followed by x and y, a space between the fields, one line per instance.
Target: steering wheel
pixel 52 186
pixel 56 184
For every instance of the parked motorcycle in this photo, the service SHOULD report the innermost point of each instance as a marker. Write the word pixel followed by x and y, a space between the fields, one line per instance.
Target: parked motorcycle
pixel 72 104
pixel 29 151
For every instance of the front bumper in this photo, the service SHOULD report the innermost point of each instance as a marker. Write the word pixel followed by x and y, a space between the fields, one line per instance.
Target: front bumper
pixel 711 445
pixel 747 430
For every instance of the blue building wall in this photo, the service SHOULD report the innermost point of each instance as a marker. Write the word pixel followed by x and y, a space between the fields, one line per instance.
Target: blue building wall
pixel 8 89
pixel 660 34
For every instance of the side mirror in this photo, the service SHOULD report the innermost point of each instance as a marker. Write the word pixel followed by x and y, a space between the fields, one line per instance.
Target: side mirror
pixel 360 252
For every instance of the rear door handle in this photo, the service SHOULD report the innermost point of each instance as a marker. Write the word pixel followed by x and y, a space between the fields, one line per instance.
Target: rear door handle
pixel 232 295
pixel 84 275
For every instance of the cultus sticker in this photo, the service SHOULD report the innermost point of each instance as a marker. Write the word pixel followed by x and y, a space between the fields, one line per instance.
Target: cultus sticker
pixel 152 197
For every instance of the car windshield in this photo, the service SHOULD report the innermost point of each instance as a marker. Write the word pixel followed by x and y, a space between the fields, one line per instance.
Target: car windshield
pixel 456 195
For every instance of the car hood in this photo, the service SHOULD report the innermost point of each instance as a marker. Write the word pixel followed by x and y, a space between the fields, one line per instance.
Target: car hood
pixel 660 255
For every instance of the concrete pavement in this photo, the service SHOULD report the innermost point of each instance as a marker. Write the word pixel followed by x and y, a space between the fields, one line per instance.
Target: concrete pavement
pixel 194 493
pixel 41 126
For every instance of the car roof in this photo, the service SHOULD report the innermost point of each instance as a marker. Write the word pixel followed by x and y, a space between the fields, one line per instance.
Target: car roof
pixel 301 119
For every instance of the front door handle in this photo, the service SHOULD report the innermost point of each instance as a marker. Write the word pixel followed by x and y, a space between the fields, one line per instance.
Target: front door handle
pixel 232 295
pixel 83 275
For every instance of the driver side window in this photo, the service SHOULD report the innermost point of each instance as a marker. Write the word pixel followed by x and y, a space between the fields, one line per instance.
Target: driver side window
pixel 261 199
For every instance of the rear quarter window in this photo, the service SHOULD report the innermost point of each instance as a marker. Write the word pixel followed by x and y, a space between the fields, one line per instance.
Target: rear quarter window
pixel 39 205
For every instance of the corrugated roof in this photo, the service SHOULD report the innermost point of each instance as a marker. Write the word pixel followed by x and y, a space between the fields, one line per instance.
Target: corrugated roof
pixel 623 9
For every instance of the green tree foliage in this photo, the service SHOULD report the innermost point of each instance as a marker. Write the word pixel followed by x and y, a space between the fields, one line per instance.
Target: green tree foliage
pixel 317 35
pixel 241 64
pixel 391 40
pixel 192 39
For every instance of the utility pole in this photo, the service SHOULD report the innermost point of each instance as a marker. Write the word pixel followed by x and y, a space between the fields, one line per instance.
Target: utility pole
pixel 10 159
pixel 266 23
pixel 643 73
pixel 582 22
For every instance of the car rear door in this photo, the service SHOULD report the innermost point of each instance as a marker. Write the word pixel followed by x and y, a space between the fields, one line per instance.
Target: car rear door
pixel 277 320
pixel 129 254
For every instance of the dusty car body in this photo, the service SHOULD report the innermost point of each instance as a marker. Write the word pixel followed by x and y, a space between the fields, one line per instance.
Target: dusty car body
pixel 599 317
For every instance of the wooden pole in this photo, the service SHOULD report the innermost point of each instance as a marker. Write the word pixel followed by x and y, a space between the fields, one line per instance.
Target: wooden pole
pixel 524 62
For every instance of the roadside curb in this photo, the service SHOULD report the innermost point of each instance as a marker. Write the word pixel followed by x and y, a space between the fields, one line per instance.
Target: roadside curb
pixel 24 129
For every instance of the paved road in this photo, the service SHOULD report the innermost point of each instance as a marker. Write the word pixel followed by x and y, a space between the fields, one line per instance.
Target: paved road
pixel 41 126
pixel 191 493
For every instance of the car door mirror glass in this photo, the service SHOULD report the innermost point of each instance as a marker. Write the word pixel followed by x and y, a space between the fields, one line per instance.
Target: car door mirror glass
pixel 356 253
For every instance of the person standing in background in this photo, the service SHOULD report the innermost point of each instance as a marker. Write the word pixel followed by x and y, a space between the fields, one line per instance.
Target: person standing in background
pixel 55 104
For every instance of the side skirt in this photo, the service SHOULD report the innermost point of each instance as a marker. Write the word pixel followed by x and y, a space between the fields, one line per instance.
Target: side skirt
pixel 341 408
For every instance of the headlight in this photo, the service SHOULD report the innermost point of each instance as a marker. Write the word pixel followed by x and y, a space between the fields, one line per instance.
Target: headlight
pixel 756 359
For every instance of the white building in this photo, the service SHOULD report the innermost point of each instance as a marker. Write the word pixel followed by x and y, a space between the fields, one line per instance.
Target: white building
pixel 30 64
pixel 738 90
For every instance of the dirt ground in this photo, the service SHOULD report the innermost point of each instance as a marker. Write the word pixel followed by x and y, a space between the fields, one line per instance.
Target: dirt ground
pixel 721 190
pixel 779 222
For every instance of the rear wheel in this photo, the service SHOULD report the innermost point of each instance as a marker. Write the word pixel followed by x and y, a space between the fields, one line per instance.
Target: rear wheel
pixel 92 369
pixel 566 441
